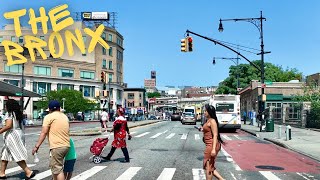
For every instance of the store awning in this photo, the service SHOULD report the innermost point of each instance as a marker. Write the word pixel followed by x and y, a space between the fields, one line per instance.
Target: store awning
pixel 11 90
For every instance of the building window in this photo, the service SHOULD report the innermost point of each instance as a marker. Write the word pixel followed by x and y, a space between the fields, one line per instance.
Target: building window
pixel 104 51
pixel 130 104
pixel 65 86
pixel 104 36
pixel 40 70
pixel 119 94
pixel 41 87
pixel 12 82
pixel 110 51
pixel 86 75
pixel 104 63
pixel 119 55
pixel 17 68
pixel 119 42
pixel 110 65
pixel 42 38
pixel 1 39
pixel 130 95
pixel 21 39
pixel 139 104
pixel 140 95
pixel 13 38
pixel 84 38
pixel 110 37
pixel 87 91
pixel 110 77
pixel 65 72
pixel 118 79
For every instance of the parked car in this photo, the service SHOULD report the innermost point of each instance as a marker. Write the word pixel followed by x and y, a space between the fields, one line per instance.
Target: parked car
pixel 188 117
pixel 176 117
pixel 152 117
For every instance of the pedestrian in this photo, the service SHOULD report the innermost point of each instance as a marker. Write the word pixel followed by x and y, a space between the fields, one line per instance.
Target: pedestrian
pixel 56 126
pixel 14 148
pixel 213 141
pixel 69 161
pixel 244 117
pixel 120 129
pixel 104 120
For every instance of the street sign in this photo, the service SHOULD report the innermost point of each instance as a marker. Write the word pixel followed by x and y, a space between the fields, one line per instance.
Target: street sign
pixel 269 82
pixel 18 94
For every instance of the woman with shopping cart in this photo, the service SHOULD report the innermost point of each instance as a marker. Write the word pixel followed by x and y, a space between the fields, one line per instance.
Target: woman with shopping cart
pixel 120 129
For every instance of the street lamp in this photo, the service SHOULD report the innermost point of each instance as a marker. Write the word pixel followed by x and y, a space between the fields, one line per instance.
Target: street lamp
pixel 235 61
pixel 22 80
pixel 257 22
pixel 63 99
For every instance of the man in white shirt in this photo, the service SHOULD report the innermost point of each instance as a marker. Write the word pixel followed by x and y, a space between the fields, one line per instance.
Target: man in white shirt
pixel 104 120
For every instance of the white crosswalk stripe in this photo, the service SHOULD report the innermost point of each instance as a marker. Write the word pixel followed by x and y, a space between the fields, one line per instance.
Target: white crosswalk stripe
pixel 196 136
pixel 198 174
pixel 226 137
pixel 129 173
pixel 170 136
pixel 167 174
pixel 15 169
pixel 237 136
pixel 269 175
pixel 88 173
pixel 43 175
pixel 155 136
pixel 184 136
pixel 143 134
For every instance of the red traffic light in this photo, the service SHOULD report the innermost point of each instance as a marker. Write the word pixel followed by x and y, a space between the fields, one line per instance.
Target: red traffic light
pixel 102 76
pixel 189 39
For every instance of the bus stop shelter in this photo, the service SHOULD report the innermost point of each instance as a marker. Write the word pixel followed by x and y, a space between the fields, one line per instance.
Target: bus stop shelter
pixel 11 90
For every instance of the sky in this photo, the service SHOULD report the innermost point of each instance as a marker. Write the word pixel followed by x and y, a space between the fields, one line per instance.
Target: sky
pixel 152 31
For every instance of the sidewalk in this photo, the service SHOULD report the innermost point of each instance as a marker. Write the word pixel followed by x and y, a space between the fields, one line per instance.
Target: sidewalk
pixel 303 141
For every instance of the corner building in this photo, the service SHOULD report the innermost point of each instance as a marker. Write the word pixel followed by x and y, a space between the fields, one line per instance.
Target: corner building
pixel 80 72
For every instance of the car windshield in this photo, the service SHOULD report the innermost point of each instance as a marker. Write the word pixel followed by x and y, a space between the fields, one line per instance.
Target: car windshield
pixel 188 114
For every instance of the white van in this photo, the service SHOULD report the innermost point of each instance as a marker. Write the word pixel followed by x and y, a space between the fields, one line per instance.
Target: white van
pixel 189 115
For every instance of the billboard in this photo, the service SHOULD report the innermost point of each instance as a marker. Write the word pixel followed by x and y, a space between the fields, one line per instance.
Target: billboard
pixel 94 16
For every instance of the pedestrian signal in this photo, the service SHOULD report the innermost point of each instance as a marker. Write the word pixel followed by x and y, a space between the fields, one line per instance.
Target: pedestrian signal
pixel 103 77
pixel 190 45
pixel 184 45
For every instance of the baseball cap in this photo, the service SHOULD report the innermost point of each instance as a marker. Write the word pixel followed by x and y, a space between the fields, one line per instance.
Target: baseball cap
pixel 54 105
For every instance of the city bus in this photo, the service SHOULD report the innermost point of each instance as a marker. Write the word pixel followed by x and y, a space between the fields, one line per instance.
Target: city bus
pixel 227 110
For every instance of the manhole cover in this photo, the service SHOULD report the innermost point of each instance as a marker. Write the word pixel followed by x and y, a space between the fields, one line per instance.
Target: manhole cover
pixel 159 149
pixel 270 167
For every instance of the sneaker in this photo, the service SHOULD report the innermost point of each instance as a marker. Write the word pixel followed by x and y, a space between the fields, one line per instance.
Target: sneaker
pixel 106 158
pixel 125 161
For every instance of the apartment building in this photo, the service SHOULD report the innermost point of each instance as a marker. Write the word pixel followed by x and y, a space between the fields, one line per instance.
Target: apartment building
pixel 135 98
pixel 79 72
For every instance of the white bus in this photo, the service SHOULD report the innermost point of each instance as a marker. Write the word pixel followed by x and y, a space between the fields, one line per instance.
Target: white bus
pixel 227 110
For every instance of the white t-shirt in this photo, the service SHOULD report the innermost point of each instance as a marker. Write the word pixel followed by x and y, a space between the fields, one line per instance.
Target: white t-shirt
pixel 104 116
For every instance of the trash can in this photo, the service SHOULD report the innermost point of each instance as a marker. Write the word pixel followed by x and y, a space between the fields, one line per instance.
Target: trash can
pixel 270 125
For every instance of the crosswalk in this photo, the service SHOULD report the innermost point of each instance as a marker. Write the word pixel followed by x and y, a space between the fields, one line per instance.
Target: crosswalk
pixel 166 174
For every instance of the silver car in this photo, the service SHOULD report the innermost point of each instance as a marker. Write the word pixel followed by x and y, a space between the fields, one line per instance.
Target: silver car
pixel 188 117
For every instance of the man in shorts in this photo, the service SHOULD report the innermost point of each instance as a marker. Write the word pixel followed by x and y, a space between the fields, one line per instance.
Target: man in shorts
pixel 56 126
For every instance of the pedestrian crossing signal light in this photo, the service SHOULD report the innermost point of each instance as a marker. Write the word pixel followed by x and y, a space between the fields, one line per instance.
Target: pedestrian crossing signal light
pixel 184 45
pixel 190 45
pixel 103 77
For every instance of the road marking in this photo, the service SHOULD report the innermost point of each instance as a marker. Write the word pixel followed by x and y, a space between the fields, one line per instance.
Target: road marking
pixel 237 136
pixel 18 168
pixel 164 131
pixel 43 175
pixel 133 132
pixel 198 174
pixel 129 173
pixel 170 136
pixel 230 159
pixel 143 134
pixel 196 136
pixel 167 174
pixel 158 134
pixel 269 175
pixel 32 134
pixel 226 137
pixel 88 173
pixel 184 136
pixel 234 177
pixel 303 176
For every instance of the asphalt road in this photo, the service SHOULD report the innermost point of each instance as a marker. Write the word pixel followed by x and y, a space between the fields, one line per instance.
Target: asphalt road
pixel 170 150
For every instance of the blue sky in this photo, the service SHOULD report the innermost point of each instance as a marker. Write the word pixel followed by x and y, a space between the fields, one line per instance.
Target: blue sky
pixel 152 31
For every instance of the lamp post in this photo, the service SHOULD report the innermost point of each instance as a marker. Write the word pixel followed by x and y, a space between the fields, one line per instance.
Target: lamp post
pixel 235 61
pixel 63 99
pixel 257 22
pixel 22 81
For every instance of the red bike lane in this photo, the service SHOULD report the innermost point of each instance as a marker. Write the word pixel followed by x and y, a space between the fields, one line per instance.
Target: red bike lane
pixel 256 155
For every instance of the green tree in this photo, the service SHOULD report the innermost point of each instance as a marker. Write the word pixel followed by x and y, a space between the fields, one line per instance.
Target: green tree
pixel 154 94
pixel 74 101
pixel 247 73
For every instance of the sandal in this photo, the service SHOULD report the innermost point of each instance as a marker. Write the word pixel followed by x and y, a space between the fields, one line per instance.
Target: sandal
pixel 33 174
pixel 3 177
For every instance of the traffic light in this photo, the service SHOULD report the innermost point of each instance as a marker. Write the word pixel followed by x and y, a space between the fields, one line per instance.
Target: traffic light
pixel 184 45
pixel 190 46
pixel 103 77
pixel 214 61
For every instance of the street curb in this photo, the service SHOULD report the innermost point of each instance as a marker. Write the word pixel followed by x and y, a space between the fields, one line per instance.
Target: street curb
pixel 250 132
pixel 109 130
pixel 290 148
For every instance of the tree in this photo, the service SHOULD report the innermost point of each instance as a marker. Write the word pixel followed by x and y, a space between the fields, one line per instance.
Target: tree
pixel 247 73
pixel 74 101
pixel 154 94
